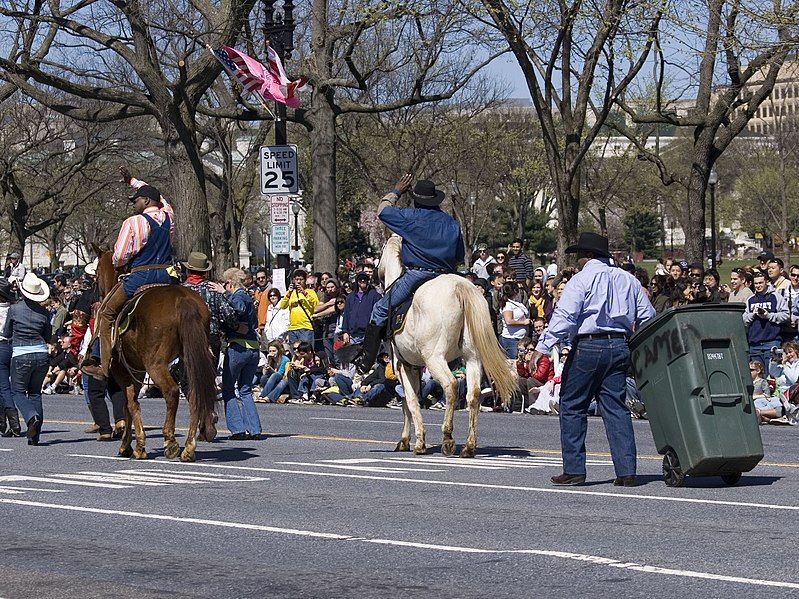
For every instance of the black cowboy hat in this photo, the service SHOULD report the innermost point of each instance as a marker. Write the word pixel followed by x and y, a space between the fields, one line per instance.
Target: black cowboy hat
pixel 590 242
pixel 146 191
pixel 425 193
pixel 6 292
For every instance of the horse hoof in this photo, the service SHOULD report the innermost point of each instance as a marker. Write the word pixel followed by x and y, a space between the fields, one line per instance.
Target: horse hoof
pixel 467 452
pixel 140 454
pixel 403 445
pixel 419 450
pixel 171 450
pixel 187 456
pixel 448 447
pixel 125 452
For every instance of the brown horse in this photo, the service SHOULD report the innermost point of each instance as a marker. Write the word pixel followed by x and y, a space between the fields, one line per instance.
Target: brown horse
pixel 169 322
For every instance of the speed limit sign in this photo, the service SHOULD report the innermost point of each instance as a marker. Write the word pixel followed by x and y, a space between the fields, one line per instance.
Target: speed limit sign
pixel 279 173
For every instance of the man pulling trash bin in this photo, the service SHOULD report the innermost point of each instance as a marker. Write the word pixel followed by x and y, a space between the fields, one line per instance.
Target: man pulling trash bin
pixel 598 311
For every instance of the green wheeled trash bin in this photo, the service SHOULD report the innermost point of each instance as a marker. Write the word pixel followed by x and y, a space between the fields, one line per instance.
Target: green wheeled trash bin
pixel 691 365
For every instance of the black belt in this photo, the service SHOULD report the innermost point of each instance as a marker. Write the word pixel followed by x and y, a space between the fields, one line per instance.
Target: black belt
pixel 594 336
pixel 441 271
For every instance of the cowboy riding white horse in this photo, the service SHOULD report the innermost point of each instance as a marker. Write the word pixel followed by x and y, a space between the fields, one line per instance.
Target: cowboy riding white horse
pixel 448 318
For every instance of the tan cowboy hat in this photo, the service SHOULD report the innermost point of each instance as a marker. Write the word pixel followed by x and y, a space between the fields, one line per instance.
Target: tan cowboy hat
pixel 34 288
pixel 91 268
pixel 198 262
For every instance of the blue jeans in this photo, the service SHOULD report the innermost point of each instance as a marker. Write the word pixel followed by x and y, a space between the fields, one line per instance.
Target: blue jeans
pixel 6 400
pixel 270 382
pixel 399 291
pixel 511 346
pixel 279 388
pixel 239 369
pixel 373 392
pixel 596 369
pixel 27 375
pixel 344 384
pixel 761 352
pixel 301 335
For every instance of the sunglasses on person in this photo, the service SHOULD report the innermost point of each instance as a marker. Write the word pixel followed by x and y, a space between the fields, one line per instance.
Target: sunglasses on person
pixel 261 278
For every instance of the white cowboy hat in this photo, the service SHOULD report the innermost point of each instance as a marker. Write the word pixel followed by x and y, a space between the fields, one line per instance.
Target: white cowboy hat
pixel 91 268
pixel 34 288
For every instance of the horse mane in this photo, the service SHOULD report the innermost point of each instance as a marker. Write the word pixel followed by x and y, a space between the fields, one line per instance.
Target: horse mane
pixel 391 253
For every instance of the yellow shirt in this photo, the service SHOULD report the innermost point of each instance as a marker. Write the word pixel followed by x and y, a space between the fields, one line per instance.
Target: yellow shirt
pixel 300 307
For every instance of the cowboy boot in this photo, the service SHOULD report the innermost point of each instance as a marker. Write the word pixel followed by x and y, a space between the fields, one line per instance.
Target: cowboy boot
pixel 14 428
pixel 372 339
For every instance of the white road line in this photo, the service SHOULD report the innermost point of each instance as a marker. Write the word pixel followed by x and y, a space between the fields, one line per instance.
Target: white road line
pixel 10 491
pixel 17 488
pixel 590 559
pixel 44 479
pixel 445 483
pixel 3 449
pixel 538 459
pixel 380 469
pixel 394 422
pixel 128 481
pixel 194 477
pixel 449 462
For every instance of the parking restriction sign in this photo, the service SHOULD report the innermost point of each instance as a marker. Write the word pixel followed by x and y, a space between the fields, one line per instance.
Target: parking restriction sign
pixel 279 170
pixel 279 210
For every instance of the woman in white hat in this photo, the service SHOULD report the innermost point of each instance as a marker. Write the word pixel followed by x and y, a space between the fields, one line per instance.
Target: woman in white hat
pixel 9 419
pixel 28 327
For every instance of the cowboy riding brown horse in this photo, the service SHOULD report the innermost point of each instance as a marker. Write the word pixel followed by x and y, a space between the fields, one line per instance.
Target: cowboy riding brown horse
pixel 169 321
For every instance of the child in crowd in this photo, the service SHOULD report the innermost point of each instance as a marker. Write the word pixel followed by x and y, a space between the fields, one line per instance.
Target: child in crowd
pixel 766 406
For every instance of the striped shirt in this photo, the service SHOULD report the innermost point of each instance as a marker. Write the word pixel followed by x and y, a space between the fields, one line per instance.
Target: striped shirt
pixel 136 230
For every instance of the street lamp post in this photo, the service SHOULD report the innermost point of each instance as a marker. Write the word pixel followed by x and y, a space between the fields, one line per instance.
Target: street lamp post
pixel 473 204
pixel 713 179
pixel 279 33
pixel 295 208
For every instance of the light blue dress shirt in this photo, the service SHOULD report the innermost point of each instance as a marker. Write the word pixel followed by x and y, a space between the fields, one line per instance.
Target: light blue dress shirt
pixel 598 299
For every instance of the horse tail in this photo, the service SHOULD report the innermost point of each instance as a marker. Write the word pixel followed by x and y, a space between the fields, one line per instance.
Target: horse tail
pixel 492 356
pixel 199 368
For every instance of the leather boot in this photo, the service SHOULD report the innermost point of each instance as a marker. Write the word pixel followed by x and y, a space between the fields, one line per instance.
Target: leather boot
pixel 371 345
pixel 14 428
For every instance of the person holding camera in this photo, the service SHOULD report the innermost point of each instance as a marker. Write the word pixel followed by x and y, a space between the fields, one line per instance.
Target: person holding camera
pixel 765 312
pixel 300 301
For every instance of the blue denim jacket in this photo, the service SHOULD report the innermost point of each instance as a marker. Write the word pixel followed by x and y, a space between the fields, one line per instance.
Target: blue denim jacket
pixel 27 325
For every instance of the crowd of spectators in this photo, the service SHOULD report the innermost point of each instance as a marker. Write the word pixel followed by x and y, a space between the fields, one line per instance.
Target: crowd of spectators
pixel 300 341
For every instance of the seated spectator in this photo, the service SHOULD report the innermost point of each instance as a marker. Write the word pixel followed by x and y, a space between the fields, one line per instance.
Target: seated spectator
pixel 274 372
pixel 767 407
pixel 531 376
pixel 379 382
pixel 63 367
pixel 785 368
pixel 298 373
pixel 548 399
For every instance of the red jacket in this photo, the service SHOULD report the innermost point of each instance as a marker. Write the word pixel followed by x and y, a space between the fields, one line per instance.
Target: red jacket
pixel 545 370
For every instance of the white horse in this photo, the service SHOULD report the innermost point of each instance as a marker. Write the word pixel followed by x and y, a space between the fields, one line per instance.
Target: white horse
pixel 448 319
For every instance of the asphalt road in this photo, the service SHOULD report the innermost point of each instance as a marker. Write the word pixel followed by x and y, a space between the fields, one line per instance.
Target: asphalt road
pixel 323 508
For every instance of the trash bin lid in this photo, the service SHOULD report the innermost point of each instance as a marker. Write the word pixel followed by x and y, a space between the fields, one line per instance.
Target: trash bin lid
pixel 659 320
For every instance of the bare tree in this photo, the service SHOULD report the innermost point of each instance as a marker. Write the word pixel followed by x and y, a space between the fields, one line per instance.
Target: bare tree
pixel 740 48
pixel 117 59
pixel 49 167
pixel 577 58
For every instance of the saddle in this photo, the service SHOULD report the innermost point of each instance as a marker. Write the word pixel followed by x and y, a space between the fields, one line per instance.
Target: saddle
pixel 125 316
pixel 397 314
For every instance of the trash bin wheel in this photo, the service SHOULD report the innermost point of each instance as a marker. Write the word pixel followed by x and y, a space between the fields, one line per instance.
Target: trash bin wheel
pixel 731 479
pixel 673 476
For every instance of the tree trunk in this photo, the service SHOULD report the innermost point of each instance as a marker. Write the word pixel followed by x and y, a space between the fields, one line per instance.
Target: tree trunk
pixel 323 177
pixel 695 208
pixel 567 190
pixel 187 191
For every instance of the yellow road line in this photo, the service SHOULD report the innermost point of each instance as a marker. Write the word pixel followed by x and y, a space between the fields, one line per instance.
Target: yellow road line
pixel 593 454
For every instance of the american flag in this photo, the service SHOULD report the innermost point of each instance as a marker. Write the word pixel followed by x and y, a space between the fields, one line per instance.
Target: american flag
pixel 237 67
